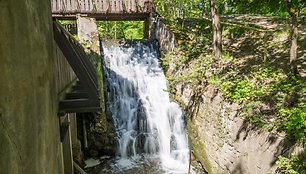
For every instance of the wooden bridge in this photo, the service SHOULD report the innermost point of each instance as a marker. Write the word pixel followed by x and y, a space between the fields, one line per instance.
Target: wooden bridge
pixel 84 95
pixel 103 9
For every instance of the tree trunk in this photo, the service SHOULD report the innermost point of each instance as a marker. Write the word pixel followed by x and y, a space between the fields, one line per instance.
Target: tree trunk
pixel 217 38
pixel 294 13
pixel 294 45
pixel 225 7
pixel 203 8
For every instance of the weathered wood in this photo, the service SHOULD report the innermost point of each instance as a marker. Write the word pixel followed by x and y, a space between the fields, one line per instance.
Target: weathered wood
pixel 77 59
pixel 79 106
pixel 78 168
pixel 69 8
pixel 76 95
pixel 64 73
pixel 66 144
pixel 85 95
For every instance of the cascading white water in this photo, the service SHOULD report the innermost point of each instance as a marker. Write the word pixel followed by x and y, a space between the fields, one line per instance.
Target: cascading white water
pixel 146 121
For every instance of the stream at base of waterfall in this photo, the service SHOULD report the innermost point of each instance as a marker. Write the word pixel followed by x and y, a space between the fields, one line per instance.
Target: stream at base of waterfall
pixel 150 129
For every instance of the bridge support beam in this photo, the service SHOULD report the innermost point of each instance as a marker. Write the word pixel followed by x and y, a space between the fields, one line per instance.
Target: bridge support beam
pixel 146 28
pixel 66 144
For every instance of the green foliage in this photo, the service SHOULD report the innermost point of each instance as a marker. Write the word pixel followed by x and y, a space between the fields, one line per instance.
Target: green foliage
pixel 194 75
pixel 271 96
pixel 295 121
pixel 214 80
pixel 178 8
pixel 239 89
pixel 63 22
pixel 120 29
pixel 227 56
pixel 172 9
pixel 254 86
pixel 271 86
pixel 293 165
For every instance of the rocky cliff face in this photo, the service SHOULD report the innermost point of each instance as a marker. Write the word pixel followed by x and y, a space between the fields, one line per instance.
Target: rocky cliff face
pixel 223 141
pixel 220 137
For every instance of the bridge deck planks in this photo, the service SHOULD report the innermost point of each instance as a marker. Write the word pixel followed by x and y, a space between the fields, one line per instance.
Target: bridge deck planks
pixel 102 9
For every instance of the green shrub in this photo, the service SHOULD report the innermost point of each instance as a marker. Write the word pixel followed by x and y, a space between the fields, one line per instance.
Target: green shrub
pixel 292 165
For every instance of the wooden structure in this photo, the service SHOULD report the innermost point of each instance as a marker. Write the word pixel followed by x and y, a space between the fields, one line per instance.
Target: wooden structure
pixel 84 96
pixel 103 9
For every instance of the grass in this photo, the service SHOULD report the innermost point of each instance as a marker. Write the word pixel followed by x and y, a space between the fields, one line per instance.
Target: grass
pixel 253 72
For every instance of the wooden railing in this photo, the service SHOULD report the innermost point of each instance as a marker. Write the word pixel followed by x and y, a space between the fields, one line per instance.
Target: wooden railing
pixel 85 95
pixel 101 6
pixel 64 73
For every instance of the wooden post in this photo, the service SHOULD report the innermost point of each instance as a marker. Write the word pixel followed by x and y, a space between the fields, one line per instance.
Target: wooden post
pixel 84 133
pixel 146 29
pixel 67 148
pixel 73 128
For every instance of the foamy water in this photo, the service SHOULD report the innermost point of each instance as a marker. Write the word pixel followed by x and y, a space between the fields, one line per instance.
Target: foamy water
pixel 147 123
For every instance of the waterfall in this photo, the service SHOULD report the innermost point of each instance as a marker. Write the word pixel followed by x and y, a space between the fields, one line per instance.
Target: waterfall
pixel 147 122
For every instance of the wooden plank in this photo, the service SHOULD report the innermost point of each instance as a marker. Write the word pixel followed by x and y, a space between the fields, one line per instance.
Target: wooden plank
pixel 124 10
pixel 99 6
pixel 140 6
pixel 128 5
pixel 107 16
pixel 58 7
pixel 111 7
pixel 64 125
pixel 133 6
pixel 94 6
pixel 104 6
pixel 76 95
pixel 120 8
pixel 86 62
pixel 78 5
pixel 78 105
pixel 76 61
pixel 90 6
pixel 82 109
pixel 64 5
pixel 115 10
pixel 78 168
pixel 68 6
pixel 73 6
pixel 67 152
pixel 53 5
pixel 81 6
pixel 86 8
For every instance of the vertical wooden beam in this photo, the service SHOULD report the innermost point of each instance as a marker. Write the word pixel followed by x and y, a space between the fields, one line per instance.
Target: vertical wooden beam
pixel 84 132
pixel 104 6
pixel 146 29
pixel 67 150
pixel 133 6
pixel 73 128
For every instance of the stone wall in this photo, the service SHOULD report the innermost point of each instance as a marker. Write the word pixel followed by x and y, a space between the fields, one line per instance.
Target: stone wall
pixel 223 142
pixel 165 37
pixel 29 125
pixel 101 133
